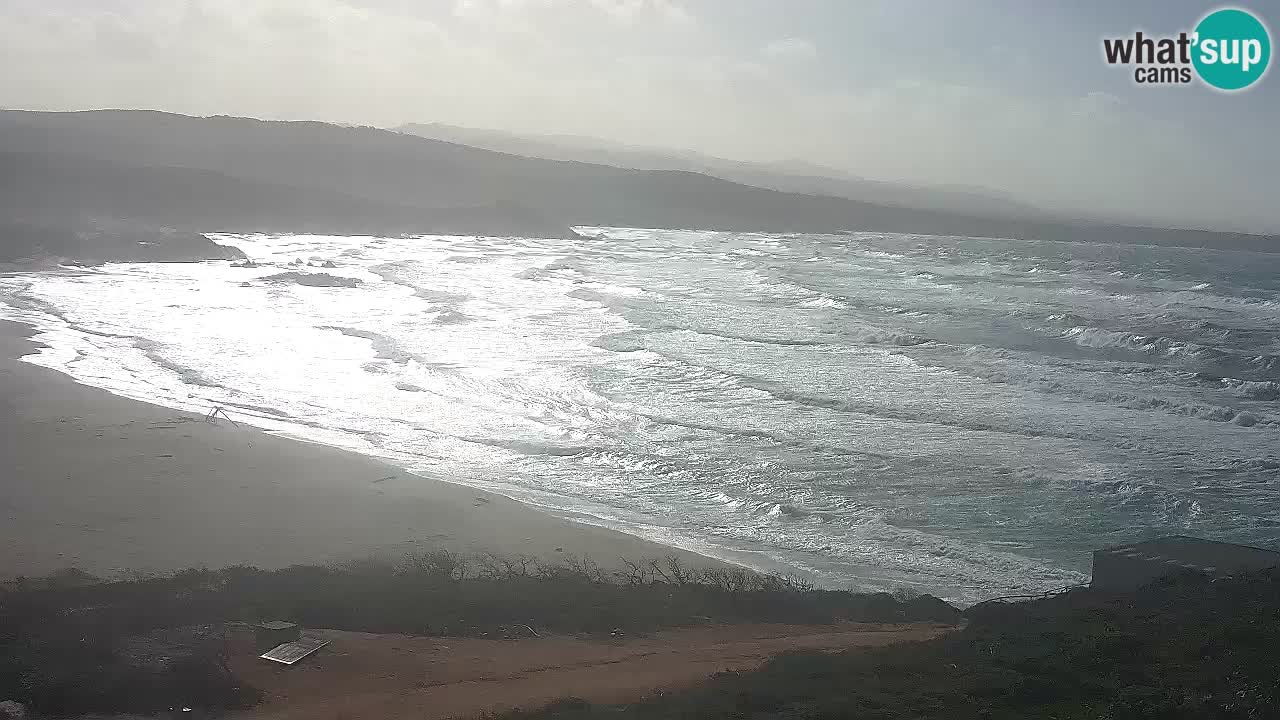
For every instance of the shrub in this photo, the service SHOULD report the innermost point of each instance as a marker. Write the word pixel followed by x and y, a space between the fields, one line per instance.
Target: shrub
pixel 1181 649
pixel 69 645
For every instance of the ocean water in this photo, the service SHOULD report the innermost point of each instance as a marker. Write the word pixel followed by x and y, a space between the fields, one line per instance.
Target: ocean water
pixel 967 417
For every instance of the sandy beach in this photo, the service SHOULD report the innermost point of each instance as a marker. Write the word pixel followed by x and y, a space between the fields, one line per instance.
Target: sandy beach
pixel 114 486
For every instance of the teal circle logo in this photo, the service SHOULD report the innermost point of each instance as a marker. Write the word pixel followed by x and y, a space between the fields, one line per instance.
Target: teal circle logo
pixel 1231 49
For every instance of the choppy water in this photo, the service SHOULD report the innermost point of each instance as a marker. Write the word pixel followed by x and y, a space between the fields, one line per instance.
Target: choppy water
pixel 963 416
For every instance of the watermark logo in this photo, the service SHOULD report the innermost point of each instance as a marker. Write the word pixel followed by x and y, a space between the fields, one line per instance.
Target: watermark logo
pixel 1229 49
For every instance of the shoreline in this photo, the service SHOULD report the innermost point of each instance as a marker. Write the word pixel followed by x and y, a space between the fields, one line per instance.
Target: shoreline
pixel 114 486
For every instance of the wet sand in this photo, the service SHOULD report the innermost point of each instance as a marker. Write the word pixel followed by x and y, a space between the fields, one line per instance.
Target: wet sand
pixel 114 486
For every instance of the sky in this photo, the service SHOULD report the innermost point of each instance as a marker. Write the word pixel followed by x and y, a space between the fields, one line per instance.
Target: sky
pixel 1007 95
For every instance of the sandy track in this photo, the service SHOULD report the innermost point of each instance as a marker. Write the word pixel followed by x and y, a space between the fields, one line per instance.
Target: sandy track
pixel 362 676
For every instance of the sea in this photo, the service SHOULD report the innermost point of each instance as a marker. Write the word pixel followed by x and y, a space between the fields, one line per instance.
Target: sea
pixel 967 417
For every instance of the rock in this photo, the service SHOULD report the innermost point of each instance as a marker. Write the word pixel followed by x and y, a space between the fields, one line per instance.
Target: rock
pixel 1245 419
pixel 11 710
pixel 313 279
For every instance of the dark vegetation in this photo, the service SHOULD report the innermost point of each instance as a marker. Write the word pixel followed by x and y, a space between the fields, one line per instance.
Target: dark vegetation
pixel 72 644
pixel 1186 647
pixel 186 174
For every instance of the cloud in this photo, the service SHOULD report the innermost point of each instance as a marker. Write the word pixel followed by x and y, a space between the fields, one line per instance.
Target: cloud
pixel 673 12
pixel 644 72
pixel 791 49
pixel 622 12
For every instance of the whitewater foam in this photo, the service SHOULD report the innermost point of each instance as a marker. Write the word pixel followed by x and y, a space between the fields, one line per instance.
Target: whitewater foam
pixel 963 416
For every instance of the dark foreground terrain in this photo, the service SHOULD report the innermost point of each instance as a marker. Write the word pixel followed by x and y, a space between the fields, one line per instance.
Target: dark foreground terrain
pixel 405 677
pixel 1184 648
pixel 72 645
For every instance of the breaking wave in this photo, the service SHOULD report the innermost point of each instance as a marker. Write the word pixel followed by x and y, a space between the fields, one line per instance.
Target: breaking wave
pixel 964 416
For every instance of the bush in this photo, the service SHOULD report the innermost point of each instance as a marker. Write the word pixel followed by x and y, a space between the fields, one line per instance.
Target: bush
pixel 71 645
pixel 1182 649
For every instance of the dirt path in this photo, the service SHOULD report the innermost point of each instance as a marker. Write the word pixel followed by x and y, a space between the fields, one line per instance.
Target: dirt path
pixel 361 676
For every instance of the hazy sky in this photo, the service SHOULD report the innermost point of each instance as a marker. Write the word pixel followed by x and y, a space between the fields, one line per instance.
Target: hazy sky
pixel 1011 95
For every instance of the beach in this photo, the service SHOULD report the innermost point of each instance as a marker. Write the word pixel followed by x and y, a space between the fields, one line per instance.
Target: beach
pixel 116 487
pixel 963 417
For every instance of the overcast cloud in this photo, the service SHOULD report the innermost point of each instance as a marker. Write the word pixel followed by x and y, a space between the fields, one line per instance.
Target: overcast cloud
pixel 1013 98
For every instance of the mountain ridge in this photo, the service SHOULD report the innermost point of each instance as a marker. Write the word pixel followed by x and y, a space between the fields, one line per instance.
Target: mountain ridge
pixel 224 173
pixel 787 176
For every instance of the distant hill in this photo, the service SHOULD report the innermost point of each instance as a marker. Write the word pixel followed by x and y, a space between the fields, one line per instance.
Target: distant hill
pixel 793 176
pixel 186 174
pixel 43 186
